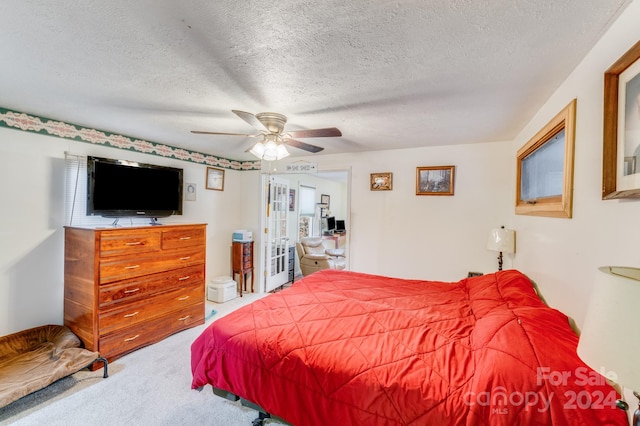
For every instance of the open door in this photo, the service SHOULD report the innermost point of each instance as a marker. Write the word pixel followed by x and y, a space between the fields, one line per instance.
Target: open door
pixel 277 247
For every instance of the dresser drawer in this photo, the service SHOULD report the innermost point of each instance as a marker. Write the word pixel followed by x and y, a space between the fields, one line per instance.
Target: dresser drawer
pixel 144 310
pixel 247 256
pixel 246 250
pixel 183 237
pixel 151 331
pixel 125 242
pixel 114 269
pixel 137 288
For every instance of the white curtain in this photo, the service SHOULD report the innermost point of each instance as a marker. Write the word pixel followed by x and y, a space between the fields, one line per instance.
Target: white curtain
pixel 307 201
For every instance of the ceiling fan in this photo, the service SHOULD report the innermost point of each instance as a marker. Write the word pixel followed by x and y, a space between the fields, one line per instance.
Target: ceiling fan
pixel 270 126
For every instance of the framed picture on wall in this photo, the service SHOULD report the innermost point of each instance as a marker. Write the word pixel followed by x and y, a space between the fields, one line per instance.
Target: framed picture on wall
pixel 215 179
pixel 621 133
pixel 381 181
pixel 324 199
pixel 292 200
pixel 190 191
pixel 435 180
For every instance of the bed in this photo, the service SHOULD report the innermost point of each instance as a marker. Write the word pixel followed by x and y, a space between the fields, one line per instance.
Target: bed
pixel 341 347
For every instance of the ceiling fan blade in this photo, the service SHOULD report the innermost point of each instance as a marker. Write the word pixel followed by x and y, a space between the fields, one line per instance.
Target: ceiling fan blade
pixel 250 118
pixel 316 133
pixel 202 132
pixel 302 145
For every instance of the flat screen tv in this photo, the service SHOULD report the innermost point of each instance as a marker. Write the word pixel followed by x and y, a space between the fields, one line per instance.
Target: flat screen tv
pixel 119 188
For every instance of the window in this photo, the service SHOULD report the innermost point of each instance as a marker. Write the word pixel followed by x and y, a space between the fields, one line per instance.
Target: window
pixel 306 210
pixel 545 168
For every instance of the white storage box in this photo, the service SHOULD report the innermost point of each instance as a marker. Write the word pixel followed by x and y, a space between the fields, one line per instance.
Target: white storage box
pixel 221 289
pixel 242 235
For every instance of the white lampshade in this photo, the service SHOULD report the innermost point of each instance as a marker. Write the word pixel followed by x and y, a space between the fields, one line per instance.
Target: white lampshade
pixel 282 152
pixel 270 151
pixel 258 150
pixel 502 240
pixel 609 341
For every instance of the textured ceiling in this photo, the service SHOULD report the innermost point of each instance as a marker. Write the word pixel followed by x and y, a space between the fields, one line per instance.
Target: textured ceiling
pixel 388 74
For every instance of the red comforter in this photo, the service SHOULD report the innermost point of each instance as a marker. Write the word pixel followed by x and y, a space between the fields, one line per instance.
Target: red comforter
pixel 354 349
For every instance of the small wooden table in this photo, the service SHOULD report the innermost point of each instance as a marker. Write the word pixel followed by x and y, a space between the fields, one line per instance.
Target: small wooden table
pixel 242 262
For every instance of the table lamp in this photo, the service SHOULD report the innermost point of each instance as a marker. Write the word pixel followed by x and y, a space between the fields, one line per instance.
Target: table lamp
pixel 503 241
pixel 609 339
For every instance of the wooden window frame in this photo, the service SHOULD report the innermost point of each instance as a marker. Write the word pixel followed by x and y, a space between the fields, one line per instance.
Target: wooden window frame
pixel 555 206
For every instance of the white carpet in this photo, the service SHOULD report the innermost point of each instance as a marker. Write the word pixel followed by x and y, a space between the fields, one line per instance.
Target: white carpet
pixel 151 386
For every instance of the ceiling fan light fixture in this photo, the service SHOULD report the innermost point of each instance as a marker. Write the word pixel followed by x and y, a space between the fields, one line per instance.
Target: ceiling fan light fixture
pixel 282 152
pixel 270 145
pixel 269 155
pixel 258 150
pixel 270 149
pixel 270 126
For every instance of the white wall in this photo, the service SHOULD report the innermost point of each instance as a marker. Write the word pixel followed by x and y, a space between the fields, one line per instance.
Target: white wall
pixel 401 234
pixel 32 216
pixel 562 255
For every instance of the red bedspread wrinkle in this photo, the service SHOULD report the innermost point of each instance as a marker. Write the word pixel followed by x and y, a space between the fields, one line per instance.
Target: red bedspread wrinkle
pixel 348 348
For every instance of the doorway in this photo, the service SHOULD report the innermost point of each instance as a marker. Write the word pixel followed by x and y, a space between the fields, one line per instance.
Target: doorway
pixel 277 247
pixel 331 198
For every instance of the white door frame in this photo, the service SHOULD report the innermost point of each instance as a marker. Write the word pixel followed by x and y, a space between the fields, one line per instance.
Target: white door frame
pixel 263 223
pixel 275 236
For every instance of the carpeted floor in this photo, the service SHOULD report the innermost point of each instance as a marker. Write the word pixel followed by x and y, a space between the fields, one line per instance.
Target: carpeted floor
pixel 151 386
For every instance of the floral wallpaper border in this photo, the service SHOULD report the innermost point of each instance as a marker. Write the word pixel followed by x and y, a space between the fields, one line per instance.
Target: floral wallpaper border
pixel 46 126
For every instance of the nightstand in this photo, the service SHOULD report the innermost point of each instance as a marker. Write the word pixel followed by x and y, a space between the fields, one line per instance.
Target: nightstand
pixel 242 262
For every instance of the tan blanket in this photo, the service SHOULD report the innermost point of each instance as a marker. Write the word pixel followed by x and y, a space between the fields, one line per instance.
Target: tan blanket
pixel 33 359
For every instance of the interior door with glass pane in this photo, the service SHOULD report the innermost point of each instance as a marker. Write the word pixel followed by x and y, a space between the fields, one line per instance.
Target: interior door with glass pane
pixel 277 253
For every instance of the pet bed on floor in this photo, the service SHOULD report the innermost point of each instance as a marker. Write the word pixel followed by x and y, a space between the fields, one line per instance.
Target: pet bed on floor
pixel 33 359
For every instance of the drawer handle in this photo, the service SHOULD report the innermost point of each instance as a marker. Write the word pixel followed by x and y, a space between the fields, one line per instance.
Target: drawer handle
pixel 131 315
pixel 132 267
pixel 184 318
pixel 183 298
pixel 131 291
pixel 184 278
pixel 137 243
pixel 185 238
pixel 132 338
pixel 185 258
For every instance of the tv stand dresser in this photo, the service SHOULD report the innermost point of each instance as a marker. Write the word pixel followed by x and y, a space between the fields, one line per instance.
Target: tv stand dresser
pixel 129 287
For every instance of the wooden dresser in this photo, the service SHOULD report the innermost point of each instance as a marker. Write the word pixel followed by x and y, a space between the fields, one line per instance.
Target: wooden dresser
pixel 125 288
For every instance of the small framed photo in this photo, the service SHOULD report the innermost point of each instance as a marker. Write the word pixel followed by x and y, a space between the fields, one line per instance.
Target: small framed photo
pixel 381 181
pixel 324 199
pixel 215 179
pixel 292 200
pixel 190 191
pixel 435 180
